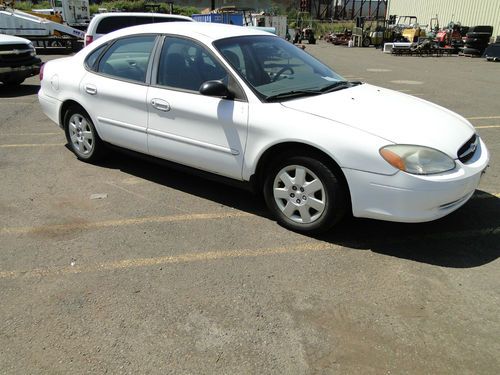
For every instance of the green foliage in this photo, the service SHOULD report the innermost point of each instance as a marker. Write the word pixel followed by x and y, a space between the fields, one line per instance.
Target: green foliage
pixel 141 6
pixel 121 5
pixel 28 5
pixel 335 27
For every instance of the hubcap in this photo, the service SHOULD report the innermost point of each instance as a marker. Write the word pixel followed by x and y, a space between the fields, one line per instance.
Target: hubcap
pixel 80 133
pixel 299 194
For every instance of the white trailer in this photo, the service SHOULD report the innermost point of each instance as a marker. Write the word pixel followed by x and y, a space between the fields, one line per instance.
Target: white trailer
pixel 15 22
pixel 75 13
pixel 42 32
pixel 279 23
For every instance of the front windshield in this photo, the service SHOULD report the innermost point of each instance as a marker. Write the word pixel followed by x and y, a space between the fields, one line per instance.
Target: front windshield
pixel 274 67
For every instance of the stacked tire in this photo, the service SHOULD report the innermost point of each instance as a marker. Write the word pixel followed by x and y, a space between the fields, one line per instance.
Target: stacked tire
pixel 477 40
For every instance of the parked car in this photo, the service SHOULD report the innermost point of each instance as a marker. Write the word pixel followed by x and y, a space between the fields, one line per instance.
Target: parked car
pixel 18 60
pixel 247 105
pixel 105 23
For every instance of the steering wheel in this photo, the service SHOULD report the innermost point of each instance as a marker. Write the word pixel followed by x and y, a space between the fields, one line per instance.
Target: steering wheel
pixel 283 70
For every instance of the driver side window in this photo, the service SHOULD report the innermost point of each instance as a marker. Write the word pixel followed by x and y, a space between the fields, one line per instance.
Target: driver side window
pixel 186 65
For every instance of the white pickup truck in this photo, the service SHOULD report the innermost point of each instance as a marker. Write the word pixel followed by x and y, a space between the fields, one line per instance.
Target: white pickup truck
pixel 18 60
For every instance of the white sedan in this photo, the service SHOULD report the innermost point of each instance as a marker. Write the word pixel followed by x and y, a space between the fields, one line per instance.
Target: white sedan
pixel 246 105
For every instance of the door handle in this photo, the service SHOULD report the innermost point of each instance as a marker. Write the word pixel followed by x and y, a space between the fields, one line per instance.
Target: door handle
pixel 160 105
pixel 91 89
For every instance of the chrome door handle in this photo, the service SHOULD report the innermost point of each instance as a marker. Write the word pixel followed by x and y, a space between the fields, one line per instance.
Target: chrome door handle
pixel 90 89
pixel 160 105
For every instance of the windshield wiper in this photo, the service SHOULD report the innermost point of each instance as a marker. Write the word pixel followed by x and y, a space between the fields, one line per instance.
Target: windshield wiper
pixel 298 93
pixel 340 85
pixel 293 94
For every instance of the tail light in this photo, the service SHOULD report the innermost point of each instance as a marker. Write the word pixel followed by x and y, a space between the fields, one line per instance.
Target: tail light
pixel 42 67
pixel 88 39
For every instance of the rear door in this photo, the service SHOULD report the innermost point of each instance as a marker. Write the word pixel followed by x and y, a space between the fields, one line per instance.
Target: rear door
pixel 115 90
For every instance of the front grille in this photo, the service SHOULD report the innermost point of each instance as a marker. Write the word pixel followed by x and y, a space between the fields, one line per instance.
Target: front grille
pixel 467 151
pixel 10 47
pixel 16 57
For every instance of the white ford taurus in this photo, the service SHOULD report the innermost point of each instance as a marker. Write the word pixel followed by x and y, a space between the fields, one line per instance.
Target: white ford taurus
pixel 249 106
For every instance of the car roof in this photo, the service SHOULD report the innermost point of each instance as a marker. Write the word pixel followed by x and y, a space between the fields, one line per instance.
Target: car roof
pixel 196 30
pixel 140 14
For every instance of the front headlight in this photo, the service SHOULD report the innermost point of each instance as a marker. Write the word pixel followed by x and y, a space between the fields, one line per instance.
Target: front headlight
pixel 32 48
pixel 417 159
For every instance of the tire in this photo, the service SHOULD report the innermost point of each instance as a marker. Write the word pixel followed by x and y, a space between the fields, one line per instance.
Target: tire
pixel 476 45
pixel 471 51
pixel 482 29
pixel 474 34
pixel 366 42
pixel 82 136
pixel 304 195
pixel 477 40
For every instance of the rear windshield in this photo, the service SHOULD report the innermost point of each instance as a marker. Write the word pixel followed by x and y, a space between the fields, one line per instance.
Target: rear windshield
pixel 109 24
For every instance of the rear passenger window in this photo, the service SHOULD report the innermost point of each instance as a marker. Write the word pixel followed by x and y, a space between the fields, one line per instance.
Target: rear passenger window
pixel 109 24
pixel 128 58
pixel 144 20
pixel 93 56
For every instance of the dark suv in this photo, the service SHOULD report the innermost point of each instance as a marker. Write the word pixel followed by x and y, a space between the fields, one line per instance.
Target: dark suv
pixel 18 60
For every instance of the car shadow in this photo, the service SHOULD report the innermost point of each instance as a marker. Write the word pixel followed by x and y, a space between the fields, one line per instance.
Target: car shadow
pixel 464 239
pixel 40 51
pixel 188 182
pixel 18 91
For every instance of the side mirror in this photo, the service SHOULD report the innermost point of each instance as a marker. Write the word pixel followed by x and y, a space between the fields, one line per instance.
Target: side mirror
pixel 215 88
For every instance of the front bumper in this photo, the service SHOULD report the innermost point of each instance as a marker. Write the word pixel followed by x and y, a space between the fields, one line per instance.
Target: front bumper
pixel 20 70
pixel 409 198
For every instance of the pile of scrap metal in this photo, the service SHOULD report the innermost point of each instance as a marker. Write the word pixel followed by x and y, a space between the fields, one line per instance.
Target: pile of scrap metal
pixel 455 38
pixel 408 28
pixel 342 38
pixel 307 33
pixel 451 36
pixel 477 39
pixel 433 41
pixel 492 52
pixel 401 34
pixel 425 47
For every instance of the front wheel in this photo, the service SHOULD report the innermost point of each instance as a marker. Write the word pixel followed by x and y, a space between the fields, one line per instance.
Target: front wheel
pixel 304 194
pixel 82 135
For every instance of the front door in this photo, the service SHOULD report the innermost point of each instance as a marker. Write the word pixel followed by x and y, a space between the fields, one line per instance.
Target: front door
pixel 186 127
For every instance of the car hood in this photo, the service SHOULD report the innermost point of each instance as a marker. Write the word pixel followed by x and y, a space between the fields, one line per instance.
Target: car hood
pixel 10 39
pixel 397 117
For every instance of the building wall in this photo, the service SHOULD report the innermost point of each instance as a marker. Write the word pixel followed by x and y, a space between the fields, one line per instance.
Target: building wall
pixel 467 12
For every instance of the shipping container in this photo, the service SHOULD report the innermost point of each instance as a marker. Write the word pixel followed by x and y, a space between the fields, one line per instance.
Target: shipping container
pixel 229 18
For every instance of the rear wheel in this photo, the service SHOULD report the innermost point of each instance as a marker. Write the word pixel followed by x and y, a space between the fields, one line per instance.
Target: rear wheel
pixel 82 136
pixel 304 195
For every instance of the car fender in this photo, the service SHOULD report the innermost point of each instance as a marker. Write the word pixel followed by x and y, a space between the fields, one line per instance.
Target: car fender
pixel 348 147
